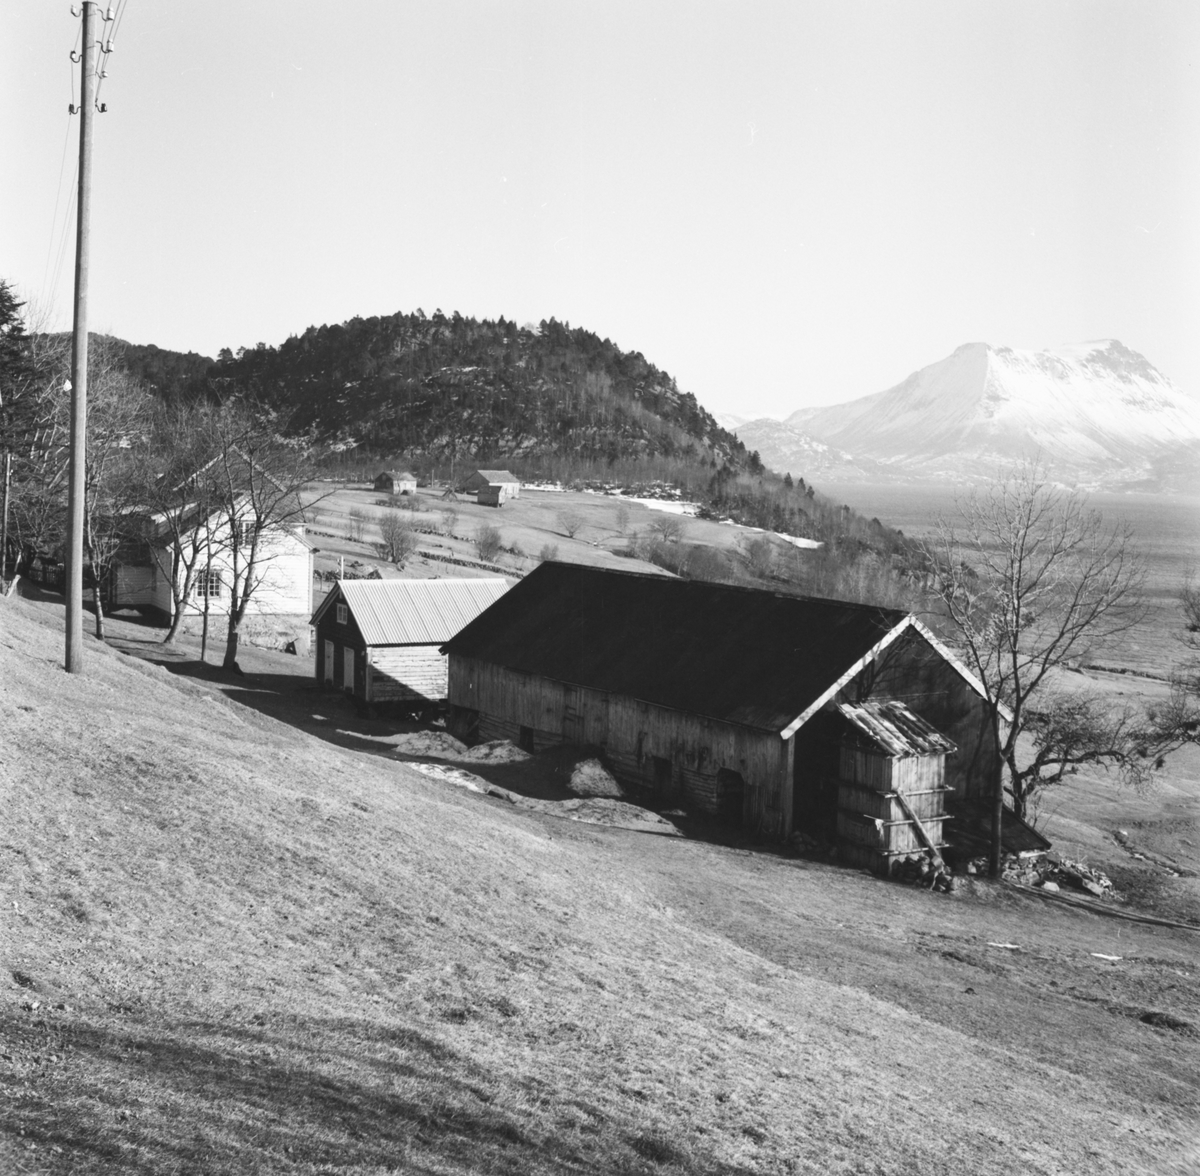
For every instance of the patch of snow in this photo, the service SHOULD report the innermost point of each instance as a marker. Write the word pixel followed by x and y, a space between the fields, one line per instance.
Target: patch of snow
pixel 690 509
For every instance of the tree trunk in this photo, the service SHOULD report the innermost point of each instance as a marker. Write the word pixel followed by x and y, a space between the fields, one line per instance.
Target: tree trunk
pixel 173 630
pixel 99 603
pixel 231 645
pixel 204 625
pixel 994 852
pixel 4 518
pixel 178 601
pixel 90 547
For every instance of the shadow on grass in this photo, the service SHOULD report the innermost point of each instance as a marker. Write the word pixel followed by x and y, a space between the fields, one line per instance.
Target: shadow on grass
pixel 315 1095
pixel 296 700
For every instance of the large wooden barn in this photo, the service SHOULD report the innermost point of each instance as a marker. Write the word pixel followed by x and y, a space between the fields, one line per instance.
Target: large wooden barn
pixel 380 640
pixel 722 698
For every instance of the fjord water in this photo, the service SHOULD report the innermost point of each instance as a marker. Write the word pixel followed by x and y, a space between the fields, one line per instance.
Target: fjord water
pixel 1166 529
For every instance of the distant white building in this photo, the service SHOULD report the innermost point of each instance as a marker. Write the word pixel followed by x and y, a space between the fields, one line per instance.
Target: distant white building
pixel 493 487
pixel 396 482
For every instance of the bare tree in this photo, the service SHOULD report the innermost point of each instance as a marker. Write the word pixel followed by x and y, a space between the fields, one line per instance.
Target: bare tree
pixel 180 494
pixel 358 524
pixel 760 556
pixel 449 520
pixel 34 405
pixel 1177 720
pixel 670 528
pixel 622 519
pixel 1030 579
pixel 118 415
pixel 399 540
pixel 259 474
pixel 571 522
pixel 488 542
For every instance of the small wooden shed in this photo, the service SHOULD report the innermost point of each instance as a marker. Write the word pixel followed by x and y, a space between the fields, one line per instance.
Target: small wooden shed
pixel 396 482
pixel 380 639
pixel 891 784
pixel 493 487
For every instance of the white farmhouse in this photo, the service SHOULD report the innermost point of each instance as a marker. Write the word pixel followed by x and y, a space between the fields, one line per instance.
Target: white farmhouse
pixel 283 577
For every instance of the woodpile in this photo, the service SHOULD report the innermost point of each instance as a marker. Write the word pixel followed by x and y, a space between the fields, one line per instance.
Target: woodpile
pixel 1049 872
pixel 922 870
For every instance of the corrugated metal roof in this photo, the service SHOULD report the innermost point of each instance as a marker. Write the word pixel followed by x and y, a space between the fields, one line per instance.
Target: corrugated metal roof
pixel 892 727
pixel 413 612
pixel 739 655
pixel 494 476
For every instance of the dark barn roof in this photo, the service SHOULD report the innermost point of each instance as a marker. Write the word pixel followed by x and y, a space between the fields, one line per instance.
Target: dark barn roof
pixel 739 655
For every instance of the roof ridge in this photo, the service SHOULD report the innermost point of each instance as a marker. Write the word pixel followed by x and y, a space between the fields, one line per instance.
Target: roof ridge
pixel 717 584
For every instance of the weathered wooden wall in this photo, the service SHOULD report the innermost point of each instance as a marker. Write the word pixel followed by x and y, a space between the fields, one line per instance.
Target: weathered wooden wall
pixel 916 674
pixel 406 673
pixel 633 735
pixel 343 635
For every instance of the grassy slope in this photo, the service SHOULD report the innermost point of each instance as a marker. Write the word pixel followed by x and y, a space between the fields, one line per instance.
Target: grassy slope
pixel 276 954
pixel 530 523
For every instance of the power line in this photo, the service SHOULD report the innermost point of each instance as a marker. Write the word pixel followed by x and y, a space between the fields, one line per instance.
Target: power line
pixel 57 200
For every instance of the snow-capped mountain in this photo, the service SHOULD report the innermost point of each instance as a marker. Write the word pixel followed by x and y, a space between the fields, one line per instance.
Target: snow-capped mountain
pixel 1098 414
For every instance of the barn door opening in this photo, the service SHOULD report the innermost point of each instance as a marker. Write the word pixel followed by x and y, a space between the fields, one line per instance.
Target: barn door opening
pixel 731 795
pixel 664 782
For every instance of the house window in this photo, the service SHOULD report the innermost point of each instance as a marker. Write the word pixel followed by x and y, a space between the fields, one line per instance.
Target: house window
pixel 343 614
pixel 208 584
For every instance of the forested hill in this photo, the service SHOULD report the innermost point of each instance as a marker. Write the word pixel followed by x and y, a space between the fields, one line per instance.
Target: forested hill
pixel 447 384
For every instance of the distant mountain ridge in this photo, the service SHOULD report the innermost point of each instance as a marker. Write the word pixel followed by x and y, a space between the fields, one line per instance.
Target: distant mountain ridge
pixel 1098 413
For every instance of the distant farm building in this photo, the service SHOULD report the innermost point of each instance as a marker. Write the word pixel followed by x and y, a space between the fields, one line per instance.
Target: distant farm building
pixel 722 698
pixel 380 640
pixel 396 482
pixel 493 487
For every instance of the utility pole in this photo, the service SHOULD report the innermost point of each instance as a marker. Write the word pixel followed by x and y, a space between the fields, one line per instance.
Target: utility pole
pixel 79 351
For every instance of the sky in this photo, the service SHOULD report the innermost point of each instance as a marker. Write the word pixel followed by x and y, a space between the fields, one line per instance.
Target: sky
pixel 782 204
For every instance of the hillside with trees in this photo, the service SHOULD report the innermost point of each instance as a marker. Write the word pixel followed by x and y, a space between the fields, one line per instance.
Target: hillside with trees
pixel 449 386
pixel 435 394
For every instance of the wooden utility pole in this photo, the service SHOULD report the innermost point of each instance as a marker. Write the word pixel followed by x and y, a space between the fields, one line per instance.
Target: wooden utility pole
pixel 79 350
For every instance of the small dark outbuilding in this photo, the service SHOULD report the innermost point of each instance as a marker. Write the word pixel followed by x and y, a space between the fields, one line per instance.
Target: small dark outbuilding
pixel 720 697
pixel 380 640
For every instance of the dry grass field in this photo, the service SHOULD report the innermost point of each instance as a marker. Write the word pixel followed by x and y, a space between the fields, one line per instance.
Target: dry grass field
pixel 527 525
pixel 247 938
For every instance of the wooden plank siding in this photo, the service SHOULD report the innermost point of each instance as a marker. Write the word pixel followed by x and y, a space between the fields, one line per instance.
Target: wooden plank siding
pixel 913 672
pixel 675 755
pixel 343 635
pixel 406 673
